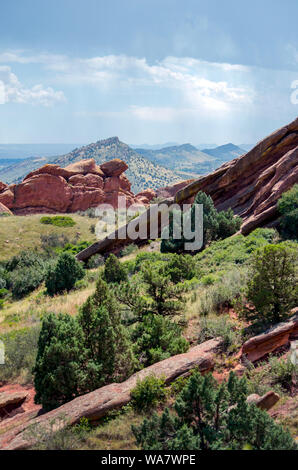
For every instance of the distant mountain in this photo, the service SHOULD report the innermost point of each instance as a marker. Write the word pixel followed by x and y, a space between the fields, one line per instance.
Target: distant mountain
pixel 5 162
pixel 153 147
pixel 185 159
pixel 21 151
pixel 225 152
pixel 141 172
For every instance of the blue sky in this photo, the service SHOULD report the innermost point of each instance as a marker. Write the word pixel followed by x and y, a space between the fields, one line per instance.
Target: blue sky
pixel 148 71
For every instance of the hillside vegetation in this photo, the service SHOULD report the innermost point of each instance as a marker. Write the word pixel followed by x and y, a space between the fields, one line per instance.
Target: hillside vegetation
pixel 130 312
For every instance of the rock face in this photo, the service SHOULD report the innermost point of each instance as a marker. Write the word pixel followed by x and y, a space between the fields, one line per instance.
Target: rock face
pixel 280 335
pixel 252 184
pixel 79 186
pixel 95 405
pixel 8 402
pixel 4 209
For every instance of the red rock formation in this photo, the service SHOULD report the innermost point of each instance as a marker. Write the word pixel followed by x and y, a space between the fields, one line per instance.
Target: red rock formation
pixel 280 335
pixel 4 209
pixel 85 166
pixel 2 186
pixel 95 405
pixel 252 184
pixel 146 196
pixel 43 191
pixel 81 185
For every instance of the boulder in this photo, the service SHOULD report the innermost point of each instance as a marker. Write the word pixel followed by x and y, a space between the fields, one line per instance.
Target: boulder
pixel 265 402
pixel 43 191
pixel 51 169
pixel 114 167
pixel 95 405
pixel 89 180
pixel 2 186
pixel 83 198
pixel 4 209
pixel 146 195
pixel 84 167
pixel 279 335
pixel 7 198
pixel 11 401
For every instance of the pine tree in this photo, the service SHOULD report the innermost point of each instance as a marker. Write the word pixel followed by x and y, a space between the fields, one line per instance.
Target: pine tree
pixel 272 288
pixel 209 416
pixel 114 271
pixel 59 372
pixel 106 340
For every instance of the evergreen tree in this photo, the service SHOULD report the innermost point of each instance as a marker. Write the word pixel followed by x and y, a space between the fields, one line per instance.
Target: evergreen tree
pixel 63 276
pixel 165 296
pixel 110 354
pixel 114 271
pixel 59 370
pixel 216 225
pixel 209 416
pixel 288 208
pixel 272 288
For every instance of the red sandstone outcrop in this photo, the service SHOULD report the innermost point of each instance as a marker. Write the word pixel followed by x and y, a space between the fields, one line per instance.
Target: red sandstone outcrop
pixel 252 184
pixel 2 186
pixel 79 186
pixel 10 401
pixel 146 196
pixel 114 167
pixel 277 336
pixel 95 405
pixel 4 209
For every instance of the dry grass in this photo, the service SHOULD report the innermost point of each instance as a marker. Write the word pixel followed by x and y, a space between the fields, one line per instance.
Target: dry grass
pixel 114 435
pixel 30 310
pixel 18 233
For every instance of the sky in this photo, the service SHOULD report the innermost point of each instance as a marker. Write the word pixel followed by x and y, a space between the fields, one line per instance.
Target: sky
pixel 148 71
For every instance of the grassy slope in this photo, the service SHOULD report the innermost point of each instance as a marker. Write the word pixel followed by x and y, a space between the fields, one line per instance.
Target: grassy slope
pixel 23 232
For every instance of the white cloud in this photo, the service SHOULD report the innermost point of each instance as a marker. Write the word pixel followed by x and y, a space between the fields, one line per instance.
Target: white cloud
pixel 197 84
pixel 11 90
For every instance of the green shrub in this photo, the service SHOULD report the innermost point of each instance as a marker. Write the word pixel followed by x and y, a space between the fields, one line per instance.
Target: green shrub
pixel 58 221
pixel 114 271
pixel 209 416
pixel 25 272
pixel 220 326
pixel 64 274
pixel 156 338
pixel 20 352
pixel 288 208
pixel 148 393
pixel 95 261
pixel 129 249
pixel 272 288
pixel 276 374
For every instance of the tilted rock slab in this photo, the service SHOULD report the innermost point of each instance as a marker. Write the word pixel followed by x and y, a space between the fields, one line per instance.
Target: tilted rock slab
pixel 95 405
pixel 251 185
pixel 279 335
